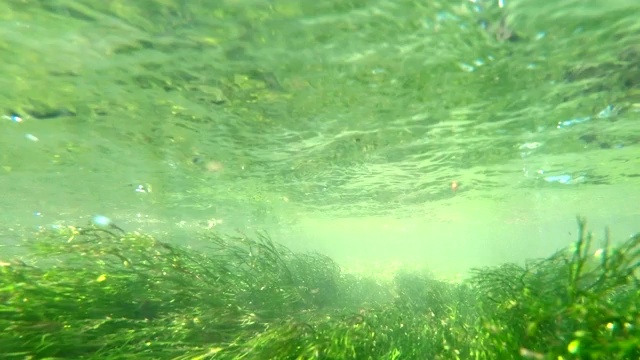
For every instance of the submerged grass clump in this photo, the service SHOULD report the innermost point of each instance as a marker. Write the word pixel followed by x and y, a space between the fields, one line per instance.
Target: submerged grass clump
pixel 94 294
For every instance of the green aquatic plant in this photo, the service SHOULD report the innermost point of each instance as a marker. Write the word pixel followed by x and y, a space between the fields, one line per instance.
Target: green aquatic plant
pixel 94 293
pixel 580 302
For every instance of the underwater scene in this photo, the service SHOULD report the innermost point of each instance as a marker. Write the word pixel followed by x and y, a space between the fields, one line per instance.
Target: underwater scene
pixel 340 179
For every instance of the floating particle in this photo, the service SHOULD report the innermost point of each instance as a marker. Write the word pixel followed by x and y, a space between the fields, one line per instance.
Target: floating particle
pixel 13 117
pixel 608 112
pixel 211 223
pixel 530 145
pixel 143 188
pixel 605 113
pixel 455 186
pixel 567 123
pixel 57 227
pixel 214 166
pixel 101 221
pixel 564 179
pixel 31 137
pixel 466 67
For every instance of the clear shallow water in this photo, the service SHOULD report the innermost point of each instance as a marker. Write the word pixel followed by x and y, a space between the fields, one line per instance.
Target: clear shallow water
pixel 337 126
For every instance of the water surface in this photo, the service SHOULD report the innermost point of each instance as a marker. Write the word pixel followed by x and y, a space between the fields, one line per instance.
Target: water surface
pixel 338 126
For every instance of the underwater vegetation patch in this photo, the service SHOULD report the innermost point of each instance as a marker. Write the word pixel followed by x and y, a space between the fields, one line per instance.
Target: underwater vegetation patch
pixel 96 294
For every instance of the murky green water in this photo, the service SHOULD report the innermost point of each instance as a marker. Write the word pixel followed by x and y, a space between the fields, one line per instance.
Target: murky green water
pixel 338 126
